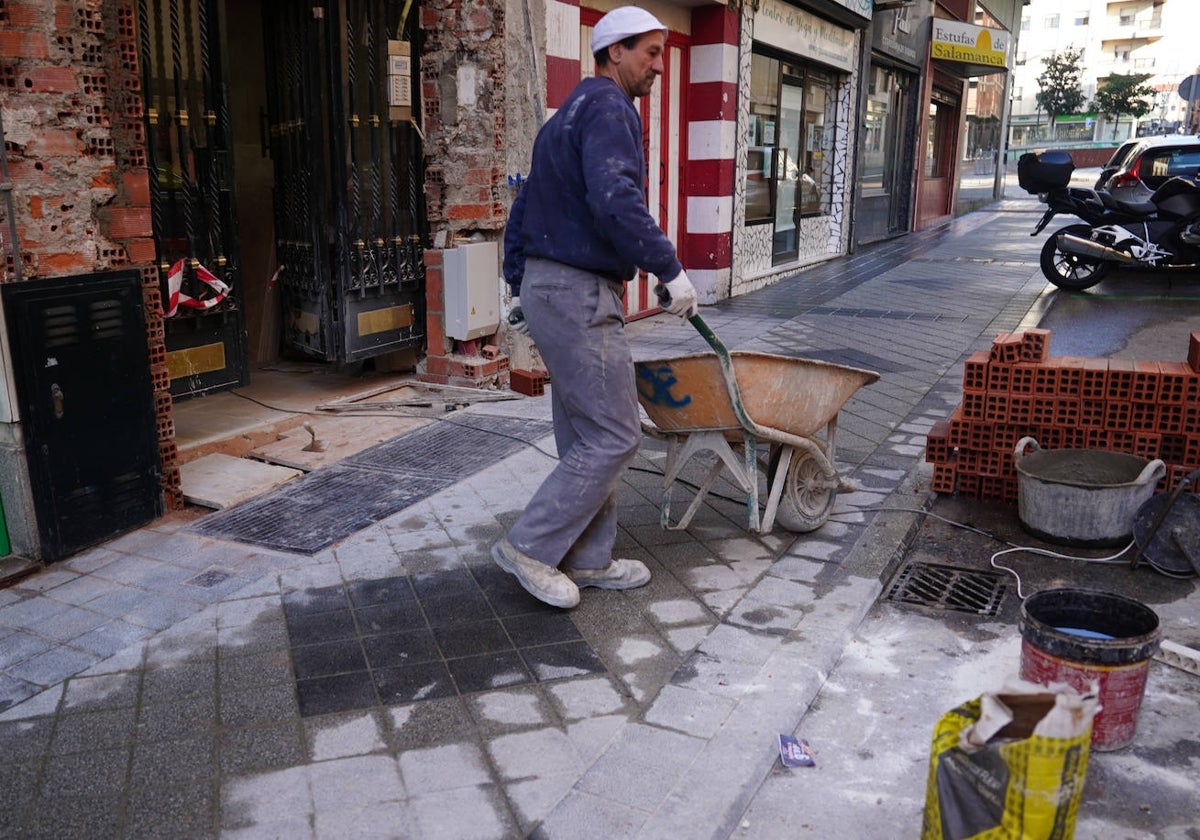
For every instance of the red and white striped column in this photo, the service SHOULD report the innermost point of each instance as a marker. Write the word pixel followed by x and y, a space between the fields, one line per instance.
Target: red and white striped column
pixel 711 131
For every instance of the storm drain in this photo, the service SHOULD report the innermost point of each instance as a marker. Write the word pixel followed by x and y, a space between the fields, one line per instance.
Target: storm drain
pixel 398 640
pixel 315 511
pixel 948 588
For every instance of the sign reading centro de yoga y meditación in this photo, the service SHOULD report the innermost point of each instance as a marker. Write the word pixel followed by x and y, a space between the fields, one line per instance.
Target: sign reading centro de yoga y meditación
pixel 804 34
pixel 969 44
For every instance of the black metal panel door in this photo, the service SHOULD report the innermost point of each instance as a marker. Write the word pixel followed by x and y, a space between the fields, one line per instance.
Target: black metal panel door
pixel 87 406
pixel 189 150
pixel 349 207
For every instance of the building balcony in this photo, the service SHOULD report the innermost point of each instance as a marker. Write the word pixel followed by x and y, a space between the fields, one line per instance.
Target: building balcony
pixel 1132 29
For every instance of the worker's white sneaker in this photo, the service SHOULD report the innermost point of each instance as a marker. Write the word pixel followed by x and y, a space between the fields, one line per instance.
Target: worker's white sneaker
pixel 619 574
pixel 543 582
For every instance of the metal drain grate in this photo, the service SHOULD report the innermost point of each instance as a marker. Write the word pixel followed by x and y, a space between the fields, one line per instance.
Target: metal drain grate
pixel 948 588
pixel 313 512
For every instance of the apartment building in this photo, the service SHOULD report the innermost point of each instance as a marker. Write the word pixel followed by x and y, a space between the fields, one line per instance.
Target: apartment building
pixel 1156 37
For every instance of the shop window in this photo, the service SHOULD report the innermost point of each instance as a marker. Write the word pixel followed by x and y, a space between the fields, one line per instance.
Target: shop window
pixel 881 133
pixel 789 163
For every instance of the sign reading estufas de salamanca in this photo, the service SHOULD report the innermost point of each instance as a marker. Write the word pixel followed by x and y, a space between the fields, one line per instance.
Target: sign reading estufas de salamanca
pixel 969 44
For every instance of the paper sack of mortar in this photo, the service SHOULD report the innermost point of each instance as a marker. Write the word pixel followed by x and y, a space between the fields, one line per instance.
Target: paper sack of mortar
pixel 1009 765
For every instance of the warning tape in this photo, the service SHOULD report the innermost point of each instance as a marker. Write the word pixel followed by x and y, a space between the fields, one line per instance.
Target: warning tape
pixel 177 297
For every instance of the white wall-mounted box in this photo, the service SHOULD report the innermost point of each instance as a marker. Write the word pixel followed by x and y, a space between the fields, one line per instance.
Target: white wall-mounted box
pixel 470 275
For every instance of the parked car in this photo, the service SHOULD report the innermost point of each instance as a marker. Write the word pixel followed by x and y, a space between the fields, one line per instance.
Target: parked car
pixel 1140 166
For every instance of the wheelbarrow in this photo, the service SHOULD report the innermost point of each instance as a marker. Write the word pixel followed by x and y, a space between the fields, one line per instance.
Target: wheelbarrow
pixel 730 405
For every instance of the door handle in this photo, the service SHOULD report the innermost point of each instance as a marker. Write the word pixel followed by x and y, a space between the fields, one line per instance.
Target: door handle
pixel 56 397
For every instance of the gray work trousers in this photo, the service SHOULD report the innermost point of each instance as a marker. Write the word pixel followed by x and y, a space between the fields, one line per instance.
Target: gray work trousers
pixel 577 321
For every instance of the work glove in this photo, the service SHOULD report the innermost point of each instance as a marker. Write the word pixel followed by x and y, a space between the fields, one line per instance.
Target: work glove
pixel 516 317
pixel 678 296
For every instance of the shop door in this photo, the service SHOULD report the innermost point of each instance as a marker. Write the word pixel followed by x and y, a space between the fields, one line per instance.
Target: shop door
pixel 349 212
pixel 664 144
pixel 87 406
pixel 788 158
pixel 190 164
pixel 901 141
pixel 941 151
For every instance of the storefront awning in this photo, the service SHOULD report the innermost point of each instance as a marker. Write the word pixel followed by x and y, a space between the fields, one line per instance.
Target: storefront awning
pixel 969 50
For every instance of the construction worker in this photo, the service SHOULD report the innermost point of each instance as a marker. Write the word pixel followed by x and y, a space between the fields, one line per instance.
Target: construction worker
pixel 578 231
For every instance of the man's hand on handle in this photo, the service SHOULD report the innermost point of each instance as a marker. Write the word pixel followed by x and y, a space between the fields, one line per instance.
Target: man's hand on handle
pixel 678 296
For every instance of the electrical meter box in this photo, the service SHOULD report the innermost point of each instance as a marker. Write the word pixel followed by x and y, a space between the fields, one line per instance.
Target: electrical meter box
pixel 470 275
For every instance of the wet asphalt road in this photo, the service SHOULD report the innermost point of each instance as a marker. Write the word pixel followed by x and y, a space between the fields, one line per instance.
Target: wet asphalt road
pixel 1131 315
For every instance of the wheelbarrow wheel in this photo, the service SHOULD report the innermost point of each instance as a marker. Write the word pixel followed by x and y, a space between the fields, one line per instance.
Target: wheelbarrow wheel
pixel 809 491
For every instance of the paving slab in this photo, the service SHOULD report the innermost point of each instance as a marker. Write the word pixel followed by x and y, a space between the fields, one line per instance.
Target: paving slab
pixel 670 731
pixel 219 481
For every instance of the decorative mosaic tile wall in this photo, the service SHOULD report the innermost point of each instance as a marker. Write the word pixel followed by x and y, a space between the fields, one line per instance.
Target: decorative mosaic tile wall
pixel 821 237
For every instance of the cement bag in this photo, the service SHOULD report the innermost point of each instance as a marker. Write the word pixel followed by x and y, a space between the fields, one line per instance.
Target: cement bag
pixel 1009 766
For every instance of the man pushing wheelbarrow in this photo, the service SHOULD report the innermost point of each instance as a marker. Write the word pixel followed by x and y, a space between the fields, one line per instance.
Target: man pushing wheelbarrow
pixel 578 231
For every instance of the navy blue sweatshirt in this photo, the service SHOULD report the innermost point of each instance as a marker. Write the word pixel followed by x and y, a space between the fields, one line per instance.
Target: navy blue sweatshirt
pixel 584 203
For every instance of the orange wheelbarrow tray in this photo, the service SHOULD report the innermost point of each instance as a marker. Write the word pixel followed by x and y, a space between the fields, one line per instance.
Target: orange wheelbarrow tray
pixel 729 404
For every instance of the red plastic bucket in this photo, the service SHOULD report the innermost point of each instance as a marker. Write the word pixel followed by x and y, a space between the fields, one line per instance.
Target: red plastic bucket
pixel 1092 640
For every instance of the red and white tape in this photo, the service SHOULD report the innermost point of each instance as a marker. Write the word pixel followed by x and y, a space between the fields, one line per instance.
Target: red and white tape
pixel 177 297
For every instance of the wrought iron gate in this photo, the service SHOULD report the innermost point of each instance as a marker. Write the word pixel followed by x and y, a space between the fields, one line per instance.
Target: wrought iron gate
pixel 348 198
pixel 189 151
pixel 349 212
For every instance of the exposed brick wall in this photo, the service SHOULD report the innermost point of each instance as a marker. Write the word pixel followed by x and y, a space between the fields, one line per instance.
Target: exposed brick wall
pixel 462 68
pixel 67 113
pixel 70 87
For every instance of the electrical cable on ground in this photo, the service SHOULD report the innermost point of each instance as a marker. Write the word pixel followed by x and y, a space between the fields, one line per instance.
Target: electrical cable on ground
pixel 395 414
pixel 1013 547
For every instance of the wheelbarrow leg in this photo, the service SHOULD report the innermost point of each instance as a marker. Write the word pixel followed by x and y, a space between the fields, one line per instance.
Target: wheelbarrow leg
pixel 775 488
pixel 744 473
pixel 845 483
pixel 751 455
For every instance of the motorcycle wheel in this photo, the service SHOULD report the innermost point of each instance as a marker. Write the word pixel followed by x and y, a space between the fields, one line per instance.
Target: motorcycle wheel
pixel 1071 272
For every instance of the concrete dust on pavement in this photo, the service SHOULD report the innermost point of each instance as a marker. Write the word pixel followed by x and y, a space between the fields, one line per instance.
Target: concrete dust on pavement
pixel 184 684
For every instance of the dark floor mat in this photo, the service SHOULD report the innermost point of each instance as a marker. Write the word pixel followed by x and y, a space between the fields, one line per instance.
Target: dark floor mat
pixel 401 640
pixel 313 512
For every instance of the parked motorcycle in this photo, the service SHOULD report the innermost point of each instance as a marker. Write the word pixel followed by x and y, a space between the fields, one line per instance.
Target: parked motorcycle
pixel 1162 233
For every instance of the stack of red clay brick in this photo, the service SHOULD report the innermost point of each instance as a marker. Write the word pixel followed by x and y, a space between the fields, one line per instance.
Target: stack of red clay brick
pixel 1013 390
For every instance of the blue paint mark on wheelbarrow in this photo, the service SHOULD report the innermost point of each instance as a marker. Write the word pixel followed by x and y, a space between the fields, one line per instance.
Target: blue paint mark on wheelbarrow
pixel 654 386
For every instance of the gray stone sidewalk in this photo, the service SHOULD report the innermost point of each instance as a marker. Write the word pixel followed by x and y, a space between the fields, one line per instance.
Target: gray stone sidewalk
pixel 151 684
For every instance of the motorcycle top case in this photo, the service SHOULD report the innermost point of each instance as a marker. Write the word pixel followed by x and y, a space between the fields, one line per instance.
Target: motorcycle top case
pixel 1038 173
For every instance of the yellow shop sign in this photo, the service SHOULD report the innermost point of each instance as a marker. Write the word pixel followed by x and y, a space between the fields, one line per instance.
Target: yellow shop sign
pixel 968 44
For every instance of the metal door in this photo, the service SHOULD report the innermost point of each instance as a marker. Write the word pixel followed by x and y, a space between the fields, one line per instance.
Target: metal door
pixel 189 154
pixel 87 406
pixel 349 212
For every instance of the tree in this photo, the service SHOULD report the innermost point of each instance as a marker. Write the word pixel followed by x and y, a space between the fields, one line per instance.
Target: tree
pixel 1059 91
pixel 1123 94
